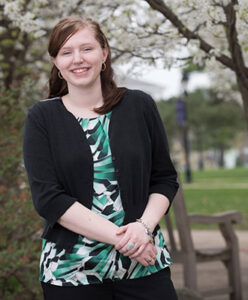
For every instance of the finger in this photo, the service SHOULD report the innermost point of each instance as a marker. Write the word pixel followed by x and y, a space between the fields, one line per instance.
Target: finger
pixel 144 262
pixel 144 249
pixel 138 252
pixel 121 230
pixel 150 261
pixel 138 246
pixel 155 253
pixel 123 242
pixel 124 249
pixel 134 250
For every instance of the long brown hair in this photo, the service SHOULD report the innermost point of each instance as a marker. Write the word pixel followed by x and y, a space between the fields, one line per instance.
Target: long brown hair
pixel 59 35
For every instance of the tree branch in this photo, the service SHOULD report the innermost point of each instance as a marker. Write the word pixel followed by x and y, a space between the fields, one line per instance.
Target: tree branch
pixel 233 43
pixel 132 54
pixel 161 7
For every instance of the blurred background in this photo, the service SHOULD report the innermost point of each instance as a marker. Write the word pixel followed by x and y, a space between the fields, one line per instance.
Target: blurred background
pixel 191 56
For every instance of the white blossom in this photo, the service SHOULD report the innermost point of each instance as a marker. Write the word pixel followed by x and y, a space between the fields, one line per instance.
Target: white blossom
pixel 141 34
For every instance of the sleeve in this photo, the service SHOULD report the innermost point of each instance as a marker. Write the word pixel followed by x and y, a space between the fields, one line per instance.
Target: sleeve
pixel 163 174
pixel 48 195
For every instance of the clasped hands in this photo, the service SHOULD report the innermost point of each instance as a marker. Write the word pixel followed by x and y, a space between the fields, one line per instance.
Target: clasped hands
pixel 135 243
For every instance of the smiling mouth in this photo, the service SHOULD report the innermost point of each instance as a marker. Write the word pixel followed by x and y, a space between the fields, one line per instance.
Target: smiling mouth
pixel 80 70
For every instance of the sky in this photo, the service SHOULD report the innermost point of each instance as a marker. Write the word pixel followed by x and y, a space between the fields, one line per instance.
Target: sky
pixel 169 80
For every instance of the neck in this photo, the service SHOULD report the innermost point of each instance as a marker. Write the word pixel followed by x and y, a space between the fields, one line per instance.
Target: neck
pixel 85 98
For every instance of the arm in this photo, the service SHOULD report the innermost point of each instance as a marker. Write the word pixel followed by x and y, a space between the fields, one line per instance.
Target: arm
pixel 50 199
pixel 86 222
pixel 163 183
pixel 83 221
pixel 156 207
pixel 163 174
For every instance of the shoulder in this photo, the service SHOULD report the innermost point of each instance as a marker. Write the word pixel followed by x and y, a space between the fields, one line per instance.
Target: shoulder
pixel 140 99
pixel 137 95
pixel 43 106
pixel 42 112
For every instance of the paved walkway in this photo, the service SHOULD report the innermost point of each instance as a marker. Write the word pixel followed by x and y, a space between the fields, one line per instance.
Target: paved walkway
pixel 213 274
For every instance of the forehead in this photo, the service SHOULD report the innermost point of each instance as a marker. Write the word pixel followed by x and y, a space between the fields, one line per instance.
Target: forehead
pixel 82 36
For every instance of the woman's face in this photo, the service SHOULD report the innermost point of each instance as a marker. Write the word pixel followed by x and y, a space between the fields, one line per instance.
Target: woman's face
pixel 80 60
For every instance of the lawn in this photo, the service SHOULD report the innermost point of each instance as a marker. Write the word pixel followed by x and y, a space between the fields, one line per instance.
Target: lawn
pixel 214 191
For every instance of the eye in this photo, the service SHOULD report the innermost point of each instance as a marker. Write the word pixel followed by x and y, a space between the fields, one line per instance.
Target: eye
pixel 66 52
pixel 87 49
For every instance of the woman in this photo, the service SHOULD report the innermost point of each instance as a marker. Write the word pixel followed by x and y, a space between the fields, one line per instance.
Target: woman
pixel 100 175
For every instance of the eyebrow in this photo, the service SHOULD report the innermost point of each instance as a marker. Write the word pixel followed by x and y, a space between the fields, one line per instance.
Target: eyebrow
pixel 85 44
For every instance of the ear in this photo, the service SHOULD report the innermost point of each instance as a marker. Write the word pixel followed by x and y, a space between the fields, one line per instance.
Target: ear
pixel 105 53
pixel 53 59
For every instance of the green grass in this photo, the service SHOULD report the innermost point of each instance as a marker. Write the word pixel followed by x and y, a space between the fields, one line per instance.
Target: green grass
pixel 217 178
pixel 215 191
pixel 211 201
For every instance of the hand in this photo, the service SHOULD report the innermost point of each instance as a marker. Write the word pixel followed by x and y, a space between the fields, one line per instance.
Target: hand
pixel 148 255
pixel 134 234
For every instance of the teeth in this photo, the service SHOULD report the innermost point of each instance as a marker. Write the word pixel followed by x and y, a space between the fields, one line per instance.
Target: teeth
pixel 80 70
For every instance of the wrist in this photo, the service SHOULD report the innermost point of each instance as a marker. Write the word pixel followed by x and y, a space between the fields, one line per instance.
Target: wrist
pixel 147 229
pixel 151 224
pixel 115 238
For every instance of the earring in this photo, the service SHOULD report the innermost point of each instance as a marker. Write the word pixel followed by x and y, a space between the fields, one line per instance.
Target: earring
pixel 60 76
pixel 103 66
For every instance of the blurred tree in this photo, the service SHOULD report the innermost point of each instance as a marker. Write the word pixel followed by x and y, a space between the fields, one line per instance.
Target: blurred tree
pixel 218 31
pixel 213 124
pixel 19 226
pixel 209 33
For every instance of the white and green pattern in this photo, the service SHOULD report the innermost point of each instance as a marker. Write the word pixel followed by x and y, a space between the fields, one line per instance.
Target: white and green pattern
pixel 90 261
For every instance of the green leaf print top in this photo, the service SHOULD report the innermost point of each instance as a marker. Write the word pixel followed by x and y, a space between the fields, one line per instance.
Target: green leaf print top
pixel 90 261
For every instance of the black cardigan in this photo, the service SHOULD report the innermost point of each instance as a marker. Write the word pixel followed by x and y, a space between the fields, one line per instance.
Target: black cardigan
pixel 59 162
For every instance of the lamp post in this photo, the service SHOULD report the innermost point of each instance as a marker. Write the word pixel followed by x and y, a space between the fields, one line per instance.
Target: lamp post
pixel 182 121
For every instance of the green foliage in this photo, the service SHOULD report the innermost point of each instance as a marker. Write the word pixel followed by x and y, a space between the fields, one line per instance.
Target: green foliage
pixel 213 124
pixel 190 68
pixel 7 43
pixel 215 191
pixel 19 52
pixel 20 226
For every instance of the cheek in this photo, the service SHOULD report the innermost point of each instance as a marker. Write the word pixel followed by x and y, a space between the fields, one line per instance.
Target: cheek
pixel 62 63
pixel 96 58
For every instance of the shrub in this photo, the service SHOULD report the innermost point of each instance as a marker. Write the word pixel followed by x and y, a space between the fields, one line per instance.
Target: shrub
pixel 19 240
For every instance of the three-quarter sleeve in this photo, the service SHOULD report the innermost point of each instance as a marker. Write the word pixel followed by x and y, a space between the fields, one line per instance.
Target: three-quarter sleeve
pixel 48 195
pixel 163 178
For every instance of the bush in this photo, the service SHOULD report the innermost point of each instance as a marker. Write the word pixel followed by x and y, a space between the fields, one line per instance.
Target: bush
pixel 19 240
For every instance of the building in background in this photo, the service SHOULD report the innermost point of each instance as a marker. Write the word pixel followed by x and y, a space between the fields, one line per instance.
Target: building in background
pixel 155 90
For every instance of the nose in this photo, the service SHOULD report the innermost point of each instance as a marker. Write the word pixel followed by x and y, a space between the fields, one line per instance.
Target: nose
pixel 77 57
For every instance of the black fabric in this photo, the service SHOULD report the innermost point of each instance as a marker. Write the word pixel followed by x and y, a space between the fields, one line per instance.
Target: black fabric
pixel 154 287
pixel 59 162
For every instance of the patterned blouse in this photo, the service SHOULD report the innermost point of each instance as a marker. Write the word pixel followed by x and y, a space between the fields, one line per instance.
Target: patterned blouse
pixel 90 261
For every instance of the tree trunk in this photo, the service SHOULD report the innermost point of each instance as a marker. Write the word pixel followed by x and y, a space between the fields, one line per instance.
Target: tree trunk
pixel 201 161
pixel 200 152
pixel 244 94
pixel 221 161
